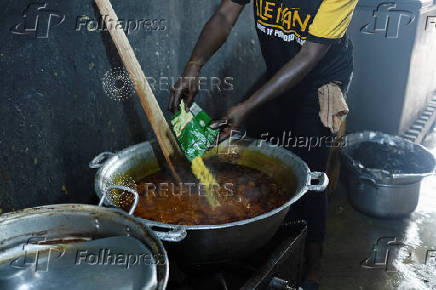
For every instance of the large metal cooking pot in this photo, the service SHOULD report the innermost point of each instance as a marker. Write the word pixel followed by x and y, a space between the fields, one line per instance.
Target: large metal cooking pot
pixel 214 243
pixel 73 246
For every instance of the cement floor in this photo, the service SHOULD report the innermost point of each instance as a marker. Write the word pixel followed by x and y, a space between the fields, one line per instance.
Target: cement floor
pixel 352 238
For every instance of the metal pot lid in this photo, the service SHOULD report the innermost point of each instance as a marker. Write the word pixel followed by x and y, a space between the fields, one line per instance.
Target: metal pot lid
pixel 75 246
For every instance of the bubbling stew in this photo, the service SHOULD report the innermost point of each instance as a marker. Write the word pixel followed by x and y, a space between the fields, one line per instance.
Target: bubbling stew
pixel 242 192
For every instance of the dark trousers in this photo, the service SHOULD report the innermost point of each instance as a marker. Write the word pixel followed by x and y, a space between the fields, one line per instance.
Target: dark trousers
pixel 298 112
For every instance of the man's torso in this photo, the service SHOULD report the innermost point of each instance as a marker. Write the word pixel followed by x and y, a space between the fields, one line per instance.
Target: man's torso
pixel 282 27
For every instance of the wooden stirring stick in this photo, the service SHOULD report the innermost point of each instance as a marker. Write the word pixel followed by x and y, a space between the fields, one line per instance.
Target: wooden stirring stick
pixel 165 137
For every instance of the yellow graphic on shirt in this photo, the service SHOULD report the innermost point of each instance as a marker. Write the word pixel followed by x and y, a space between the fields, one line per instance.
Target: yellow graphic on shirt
pixel 276 20
pixel 291 24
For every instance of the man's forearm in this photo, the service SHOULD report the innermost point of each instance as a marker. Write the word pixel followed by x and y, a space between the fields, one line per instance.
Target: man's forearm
pixel 215 32
pixel 289 75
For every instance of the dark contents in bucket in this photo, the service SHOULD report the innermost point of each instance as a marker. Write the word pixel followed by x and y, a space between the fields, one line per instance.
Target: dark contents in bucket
pixel 243 193
pixel 390 158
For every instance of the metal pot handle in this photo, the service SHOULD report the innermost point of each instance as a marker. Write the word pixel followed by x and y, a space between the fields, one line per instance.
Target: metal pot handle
pixel 98 161
pixel 175 235
pixel 132 191
pixel 323 181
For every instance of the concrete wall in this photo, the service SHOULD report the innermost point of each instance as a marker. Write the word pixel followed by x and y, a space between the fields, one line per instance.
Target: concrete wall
pixel 394 74
pixel 54 114
pixel 422 75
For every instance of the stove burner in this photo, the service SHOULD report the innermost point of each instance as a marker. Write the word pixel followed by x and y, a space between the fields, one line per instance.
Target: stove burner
pixel 278 265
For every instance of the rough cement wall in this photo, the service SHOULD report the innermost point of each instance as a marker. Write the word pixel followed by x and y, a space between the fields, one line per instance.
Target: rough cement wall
pixel 422 77
pixel 394 75
pixel 381 72
pixel 54 114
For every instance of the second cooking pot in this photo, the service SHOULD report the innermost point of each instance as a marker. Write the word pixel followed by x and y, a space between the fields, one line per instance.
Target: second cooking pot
pixel 74 246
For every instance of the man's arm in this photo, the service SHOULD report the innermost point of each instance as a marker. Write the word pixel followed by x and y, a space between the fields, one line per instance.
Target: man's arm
pixel 213 35
pixel 216 31
pixel 286 78
pixel 290 74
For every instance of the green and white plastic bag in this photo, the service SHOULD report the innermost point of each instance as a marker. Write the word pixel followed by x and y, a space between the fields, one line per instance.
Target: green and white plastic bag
pixel 192 130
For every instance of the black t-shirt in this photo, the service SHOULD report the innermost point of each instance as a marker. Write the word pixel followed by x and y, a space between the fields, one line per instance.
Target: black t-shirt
pixel 284 25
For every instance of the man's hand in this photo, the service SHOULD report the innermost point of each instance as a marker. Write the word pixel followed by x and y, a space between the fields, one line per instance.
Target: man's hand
pixel 231 121
pixel 186 88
